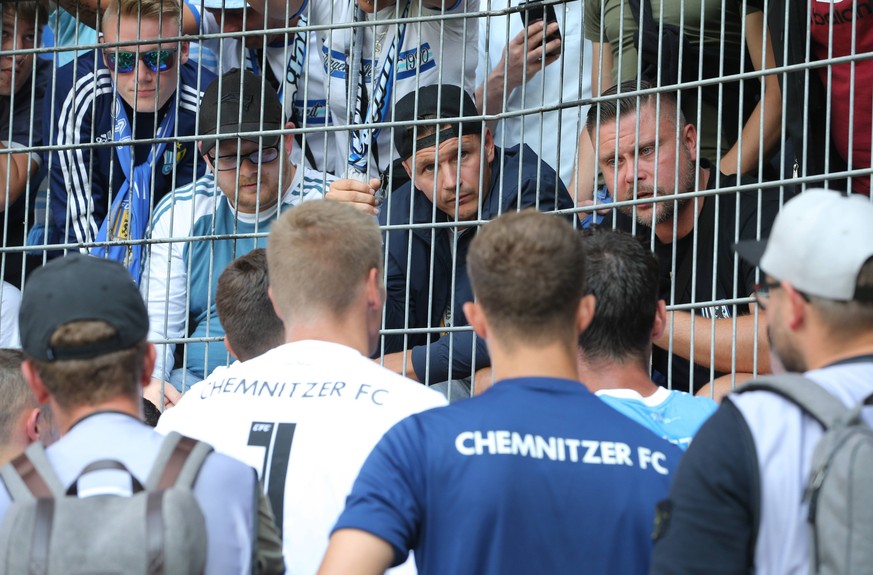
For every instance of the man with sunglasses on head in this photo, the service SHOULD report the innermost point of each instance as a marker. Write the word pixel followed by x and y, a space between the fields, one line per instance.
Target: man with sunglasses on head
pixel 251 181
pixel 118 94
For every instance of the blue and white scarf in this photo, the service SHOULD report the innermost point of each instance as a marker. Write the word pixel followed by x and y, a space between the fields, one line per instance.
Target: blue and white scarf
pixel 128 215
pixel 378 108
pixel 294 69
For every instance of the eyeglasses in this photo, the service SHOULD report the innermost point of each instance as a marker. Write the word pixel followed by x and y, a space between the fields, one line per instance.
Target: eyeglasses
pixel 762 292
pixel 155 60
pixel 233 161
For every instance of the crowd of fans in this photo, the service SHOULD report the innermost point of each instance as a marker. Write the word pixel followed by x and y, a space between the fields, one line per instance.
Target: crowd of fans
pixel 360 148
pixel 106 103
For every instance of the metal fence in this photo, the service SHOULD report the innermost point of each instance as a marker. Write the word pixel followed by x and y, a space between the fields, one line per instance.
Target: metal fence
pixel 778 91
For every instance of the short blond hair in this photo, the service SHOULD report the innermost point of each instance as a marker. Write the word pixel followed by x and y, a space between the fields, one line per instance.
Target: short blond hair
pixel 141 9
pixel 319 254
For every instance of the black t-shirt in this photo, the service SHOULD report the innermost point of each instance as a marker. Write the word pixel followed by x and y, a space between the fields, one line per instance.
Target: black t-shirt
pixel 725 219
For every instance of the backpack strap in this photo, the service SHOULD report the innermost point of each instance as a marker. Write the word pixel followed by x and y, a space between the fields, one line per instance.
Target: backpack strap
pixel 27 477
pixel 178 462
pixel 806 394
pixel 30 475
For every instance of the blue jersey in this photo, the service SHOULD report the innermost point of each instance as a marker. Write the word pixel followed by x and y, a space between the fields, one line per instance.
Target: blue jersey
pixel 674 415
pixel 534 476
pixel 80 111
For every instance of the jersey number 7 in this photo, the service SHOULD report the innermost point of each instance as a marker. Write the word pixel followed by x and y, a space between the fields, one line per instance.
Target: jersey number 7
pixel 276 440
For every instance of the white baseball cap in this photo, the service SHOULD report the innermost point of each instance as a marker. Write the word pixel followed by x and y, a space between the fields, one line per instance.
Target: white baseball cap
pixel 819 242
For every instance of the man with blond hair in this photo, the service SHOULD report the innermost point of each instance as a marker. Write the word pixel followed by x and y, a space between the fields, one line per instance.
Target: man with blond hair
pixel 308 412
pixel 123 93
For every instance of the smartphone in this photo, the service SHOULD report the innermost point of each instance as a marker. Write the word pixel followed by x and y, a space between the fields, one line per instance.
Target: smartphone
pixel 532 11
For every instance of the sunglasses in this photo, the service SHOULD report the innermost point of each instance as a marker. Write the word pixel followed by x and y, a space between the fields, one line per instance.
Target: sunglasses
pixel 155 60
pixel 762 292
pixel 232 161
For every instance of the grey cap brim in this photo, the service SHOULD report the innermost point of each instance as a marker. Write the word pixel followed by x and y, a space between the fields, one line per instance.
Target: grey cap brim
pixel 751 250
pixel 208 141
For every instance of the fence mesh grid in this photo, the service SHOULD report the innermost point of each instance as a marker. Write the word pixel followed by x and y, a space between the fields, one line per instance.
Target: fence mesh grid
pixel 778 91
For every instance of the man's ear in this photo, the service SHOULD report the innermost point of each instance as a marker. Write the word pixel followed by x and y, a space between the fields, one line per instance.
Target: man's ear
pixel 407 165
pixel 205 157
pixel 660 323
pixel 288 139
pixel 151 355
pixel 184 49
pixel 229 348
pixel 795 307
pixel 34 381
pixel 689 138
pixel 32 424
pixel 476 319
pixel 488 146
pixel 375 291
pixel 273 301
pixel 585 313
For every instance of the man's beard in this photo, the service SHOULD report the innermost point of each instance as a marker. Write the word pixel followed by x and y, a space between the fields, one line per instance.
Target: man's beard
pixel 661 211
pixel 789 356
pixel 664 211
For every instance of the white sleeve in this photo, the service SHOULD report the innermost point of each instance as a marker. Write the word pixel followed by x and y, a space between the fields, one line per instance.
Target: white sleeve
pixel 484 65
pixel 164 288
pixel 9 306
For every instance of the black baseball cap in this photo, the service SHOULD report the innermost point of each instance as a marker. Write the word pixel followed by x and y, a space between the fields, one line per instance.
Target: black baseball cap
pixel 436 101
pixel 79 287
pixel 251 107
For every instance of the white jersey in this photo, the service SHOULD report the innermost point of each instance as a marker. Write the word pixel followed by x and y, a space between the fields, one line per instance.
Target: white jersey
pixel 305 415
pixel 564 81
pixel 433 51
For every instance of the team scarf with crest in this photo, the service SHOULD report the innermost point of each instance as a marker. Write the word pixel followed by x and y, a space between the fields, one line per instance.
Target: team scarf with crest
pixel 128 215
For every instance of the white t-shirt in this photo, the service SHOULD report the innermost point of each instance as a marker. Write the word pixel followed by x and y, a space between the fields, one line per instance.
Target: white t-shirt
pixel 305 415
pixel 566 80
pixel 10 302
pixel 433 51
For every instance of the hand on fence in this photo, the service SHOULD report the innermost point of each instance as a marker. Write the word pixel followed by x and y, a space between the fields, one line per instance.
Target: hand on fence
pixel 361 195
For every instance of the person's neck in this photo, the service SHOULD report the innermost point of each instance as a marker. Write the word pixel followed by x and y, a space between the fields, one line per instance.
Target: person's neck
pixel 349 330
pixel 825 350
pixel 556 360
pixel 601 375
pixel 686 219
pixel 67 417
